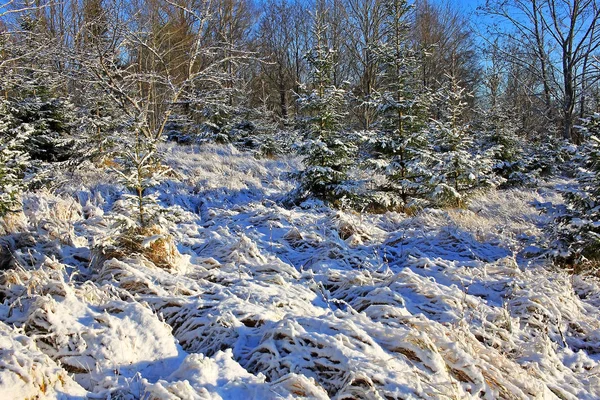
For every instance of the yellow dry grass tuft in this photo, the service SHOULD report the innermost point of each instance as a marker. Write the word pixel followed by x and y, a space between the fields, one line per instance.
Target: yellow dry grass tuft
pixel 13 222
pixel 150 242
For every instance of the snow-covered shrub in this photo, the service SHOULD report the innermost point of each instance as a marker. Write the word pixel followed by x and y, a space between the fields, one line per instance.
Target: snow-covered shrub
pixel 276 143
pixel 548 157
pixel 259 136
pixel 231 130
pixel 253 130
pixel 180 128
pixel 221 112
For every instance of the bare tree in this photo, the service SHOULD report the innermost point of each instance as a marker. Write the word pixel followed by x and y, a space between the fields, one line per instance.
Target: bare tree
pixel 282 41
pixel 446 41
pixel 365 19
pixel 561 35
pixel 137 68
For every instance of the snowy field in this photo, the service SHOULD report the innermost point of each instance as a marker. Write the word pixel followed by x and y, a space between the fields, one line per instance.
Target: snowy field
pixel 264 302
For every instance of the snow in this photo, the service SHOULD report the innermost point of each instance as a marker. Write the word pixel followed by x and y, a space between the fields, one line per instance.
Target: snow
pixel 25 372
pixel 271 302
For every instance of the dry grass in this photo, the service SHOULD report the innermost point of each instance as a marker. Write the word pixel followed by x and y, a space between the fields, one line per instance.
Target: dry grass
pixel 161 250
pixel 13 222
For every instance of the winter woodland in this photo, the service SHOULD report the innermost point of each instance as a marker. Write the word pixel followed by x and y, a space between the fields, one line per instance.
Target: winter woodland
pixel 277 199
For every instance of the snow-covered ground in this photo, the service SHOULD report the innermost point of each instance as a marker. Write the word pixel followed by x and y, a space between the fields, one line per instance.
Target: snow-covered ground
pixel 265 302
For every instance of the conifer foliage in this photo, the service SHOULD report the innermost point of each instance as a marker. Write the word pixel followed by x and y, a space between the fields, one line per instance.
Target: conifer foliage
pixel 459 169
pixel 140 168
pixel 34 132
pixel 328 152
pixel 400 145
pixel 52 124
pixel 578 227
pixel 13 159
pixel 499 138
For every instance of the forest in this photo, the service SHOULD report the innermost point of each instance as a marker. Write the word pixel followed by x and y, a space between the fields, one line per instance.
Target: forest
pixel 222 199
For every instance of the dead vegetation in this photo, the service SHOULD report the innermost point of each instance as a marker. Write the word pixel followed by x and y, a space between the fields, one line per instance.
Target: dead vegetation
pixel 152 243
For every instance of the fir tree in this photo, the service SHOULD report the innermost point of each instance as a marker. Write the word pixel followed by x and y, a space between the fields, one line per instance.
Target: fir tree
pixel 578 227
pixel 498 137
pixel 400 146
pixel 13 159
pixel 328 151
pixel 459 169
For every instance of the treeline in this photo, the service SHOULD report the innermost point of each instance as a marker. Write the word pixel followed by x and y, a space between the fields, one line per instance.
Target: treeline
pixel 240 54
pixel 537 56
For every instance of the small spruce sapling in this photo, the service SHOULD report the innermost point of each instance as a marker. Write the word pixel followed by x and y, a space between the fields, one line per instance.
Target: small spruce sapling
pixel 577 228
pixel 328 151
pixel 138 228
pixel 459 169
pixel 140 167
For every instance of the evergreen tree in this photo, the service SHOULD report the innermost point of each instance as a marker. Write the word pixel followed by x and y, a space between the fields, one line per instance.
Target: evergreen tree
pixel 577 228
pixel 41 135
pixel 328 151
pixel 140 168
pixel 459 169
pixel 53 124
pixel 549 156
pixel 13 160
pixel 222 119
pixel 498 137
pixel 34 90
pixel 400 145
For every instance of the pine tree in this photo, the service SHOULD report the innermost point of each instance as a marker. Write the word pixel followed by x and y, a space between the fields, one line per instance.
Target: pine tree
pixel 459 169
pixel 328 151
pixel 400 146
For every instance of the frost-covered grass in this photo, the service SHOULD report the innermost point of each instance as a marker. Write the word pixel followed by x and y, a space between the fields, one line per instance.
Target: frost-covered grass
pixel 266 302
